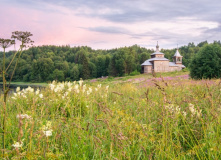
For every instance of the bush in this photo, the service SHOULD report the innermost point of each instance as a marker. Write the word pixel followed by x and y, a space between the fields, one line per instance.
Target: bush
pixel 185 70
pixel 207 63
pixel 134 73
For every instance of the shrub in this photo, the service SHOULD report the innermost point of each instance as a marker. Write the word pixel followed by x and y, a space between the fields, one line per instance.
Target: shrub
pixel 134 73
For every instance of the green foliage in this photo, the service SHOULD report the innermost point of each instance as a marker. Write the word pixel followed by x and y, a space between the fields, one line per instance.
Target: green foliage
pixel 74 74
pixel 134 73
pixel 58 75
pixel 207 63
pixel 37 64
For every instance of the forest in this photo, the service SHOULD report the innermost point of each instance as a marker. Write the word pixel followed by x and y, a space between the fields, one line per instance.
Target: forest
pixel 65 63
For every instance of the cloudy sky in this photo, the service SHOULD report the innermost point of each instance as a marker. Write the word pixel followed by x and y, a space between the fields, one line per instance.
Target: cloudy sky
pixel 105 24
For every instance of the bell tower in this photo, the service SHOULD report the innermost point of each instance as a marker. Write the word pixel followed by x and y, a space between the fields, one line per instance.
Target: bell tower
pixel 177 58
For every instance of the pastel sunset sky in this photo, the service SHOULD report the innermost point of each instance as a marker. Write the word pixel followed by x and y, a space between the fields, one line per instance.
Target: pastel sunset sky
pixel 106 24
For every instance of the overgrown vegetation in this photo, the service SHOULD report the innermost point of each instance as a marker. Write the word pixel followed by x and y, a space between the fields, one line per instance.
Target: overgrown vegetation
pixel 24 38
pixel 65 63
pixel 158 118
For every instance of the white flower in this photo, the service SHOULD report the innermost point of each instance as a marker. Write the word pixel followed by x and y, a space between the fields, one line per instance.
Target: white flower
pixel 37 91
pixel 184 114
pixel 48 133
pixel 18 89
pixel 17 144
pixel 84 88
pixel 69 84
pixel 46 129
pixel 69 89
pixel 41 95
pixel 89 91
pixel 80 82
pixel 76 87
pixel 52 86
pixel 99 86
pixel 29 89
pixel 107 88
pixel 192 109
pixel 22 116
pixel 56 90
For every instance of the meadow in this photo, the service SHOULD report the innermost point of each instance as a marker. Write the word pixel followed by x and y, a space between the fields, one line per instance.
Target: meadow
pixel 141 117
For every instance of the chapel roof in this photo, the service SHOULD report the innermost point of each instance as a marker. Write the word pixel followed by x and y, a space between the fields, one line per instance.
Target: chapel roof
pixel 157 50
pixel 173 64
pixel 177 54
pixel 147 62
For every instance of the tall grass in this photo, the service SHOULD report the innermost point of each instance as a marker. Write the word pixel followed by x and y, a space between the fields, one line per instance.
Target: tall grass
pixel 171 119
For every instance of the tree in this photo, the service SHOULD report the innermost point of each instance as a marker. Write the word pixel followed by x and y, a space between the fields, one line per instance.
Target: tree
pixel 74 74
pixel 207 63
pixel 93 70
pixel 85 74
pixel 100 66
pixel 58 75
pixel 45 67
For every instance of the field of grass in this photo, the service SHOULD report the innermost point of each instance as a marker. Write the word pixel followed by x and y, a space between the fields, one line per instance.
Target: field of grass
pixel 141 117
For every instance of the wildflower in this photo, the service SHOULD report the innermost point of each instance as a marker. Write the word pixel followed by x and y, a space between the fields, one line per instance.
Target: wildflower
pixel 18 89
pixel 23 116
pixel 99 86
pixel 29 89
pixel 52 86
pixel 69 84
pixel 107 88
pixel 69 89
pixel 37 91
pixel 89 91
pixel 84 88
pixel 48 133
pixel 184 114
pixel 46 129
pixel 192 109
pixel 76 87
pixel 56 90
pixel 41 95
pixel 17 144
pixel 80 82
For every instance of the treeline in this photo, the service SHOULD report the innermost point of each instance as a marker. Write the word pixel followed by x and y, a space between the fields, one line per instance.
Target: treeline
pixel 65 63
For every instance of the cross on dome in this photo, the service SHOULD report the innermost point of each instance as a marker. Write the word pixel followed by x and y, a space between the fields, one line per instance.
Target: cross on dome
pixel 157 47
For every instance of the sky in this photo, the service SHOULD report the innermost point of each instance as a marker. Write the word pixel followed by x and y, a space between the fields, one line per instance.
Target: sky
pixel 107 24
